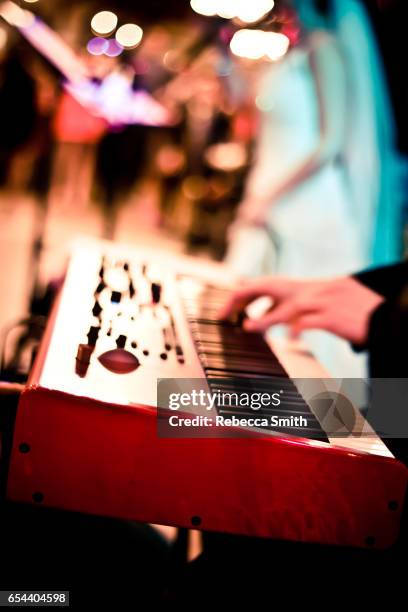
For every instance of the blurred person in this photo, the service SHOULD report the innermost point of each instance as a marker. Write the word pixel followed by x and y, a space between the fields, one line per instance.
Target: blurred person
pixel 41 150
pixel 17 99
pixel 305 212
pixel 302 101
pixel 208 123
pixel 121 154
pixel 27 98
pixel 77 131
pixel 215 132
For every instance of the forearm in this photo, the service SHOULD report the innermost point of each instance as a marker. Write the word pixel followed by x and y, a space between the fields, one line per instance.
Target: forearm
pixel 308 168
pixel 262 198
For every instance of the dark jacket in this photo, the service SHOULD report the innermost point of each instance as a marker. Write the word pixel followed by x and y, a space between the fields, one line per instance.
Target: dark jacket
pixel 388 331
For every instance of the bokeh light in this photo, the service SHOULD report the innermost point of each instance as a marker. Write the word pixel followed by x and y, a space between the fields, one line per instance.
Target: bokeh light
pixel 264 103
pixel 276 45
pixel 226 156
pixel 248 43
pixel 253 10
pixel 208 8
pixel 97 46
pixel 226 8
pixel 129 35
pixel 3 38
pixel 247 11
pixel 194 187
pixel 114 49
pixel 170 160
pixel 174 61
pixel 16 16
pixel 255 44
pixel 104 23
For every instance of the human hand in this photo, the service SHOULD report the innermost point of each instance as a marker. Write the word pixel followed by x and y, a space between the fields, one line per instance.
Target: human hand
pixel 341 306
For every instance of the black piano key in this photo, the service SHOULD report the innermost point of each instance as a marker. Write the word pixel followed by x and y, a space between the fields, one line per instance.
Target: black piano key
pixel 240 355
pixel 242 340
pixel 214 373
pixel 240 365
pixel 233 342
pixel 221 347
pixel 266 383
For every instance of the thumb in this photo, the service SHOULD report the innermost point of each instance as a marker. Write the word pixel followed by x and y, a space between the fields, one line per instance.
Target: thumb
pixel 282 313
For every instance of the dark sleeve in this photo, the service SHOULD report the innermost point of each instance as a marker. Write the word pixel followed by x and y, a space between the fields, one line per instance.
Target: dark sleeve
pixel 387 281
pixel 388 339
pixel 388 327
pixel 387 346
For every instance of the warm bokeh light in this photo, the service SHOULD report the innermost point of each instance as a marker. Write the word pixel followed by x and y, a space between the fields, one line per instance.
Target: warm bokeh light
pixel 16 16
pixel 31 1
pixel 129 35
pixel 255 44
pixel 170 160
pixel 248 11
pixel 104 23
pixel 276 45
pixel 252 10
pixel 204 7
pixel 226 156
pixel 97 46
pixel 194 187
pixel 248 43
pixel 226 8
pixel 3 38
pixel 174 61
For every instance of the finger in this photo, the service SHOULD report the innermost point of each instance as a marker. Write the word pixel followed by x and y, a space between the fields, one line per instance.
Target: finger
pixel 240 299
pixel 272 287
pixel 282 313
pixel 306 321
